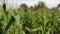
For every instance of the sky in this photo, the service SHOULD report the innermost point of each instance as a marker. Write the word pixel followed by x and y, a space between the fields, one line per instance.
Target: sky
pixel 16 3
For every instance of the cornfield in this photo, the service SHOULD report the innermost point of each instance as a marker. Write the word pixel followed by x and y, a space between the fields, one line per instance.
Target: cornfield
pixel 21 22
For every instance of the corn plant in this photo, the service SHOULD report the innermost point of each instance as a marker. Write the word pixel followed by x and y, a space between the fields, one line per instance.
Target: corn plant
pixel 28 22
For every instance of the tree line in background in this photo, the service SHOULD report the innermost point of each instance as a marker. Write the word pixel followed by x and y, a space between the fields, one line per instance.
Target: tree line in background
pixel 41 6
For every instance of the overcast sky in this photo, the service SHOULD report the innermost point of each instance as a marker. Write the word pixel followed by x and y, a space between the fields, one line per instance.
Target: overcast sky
pixel 48 3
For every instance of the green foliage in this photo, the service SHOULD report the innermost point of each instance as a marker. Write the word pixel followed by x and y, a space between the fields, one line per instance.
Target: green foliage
pixel 28 22
pixel 41 4
pixel 23 7
pixel 31 22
